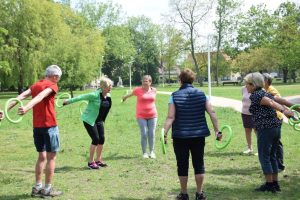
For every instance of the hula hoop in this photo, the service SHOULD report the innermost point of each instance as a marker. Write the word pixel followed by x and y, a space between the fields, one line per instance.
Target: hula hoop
pixel 162 141
pixel 59 96
pixel 296 118
pixel 80 106
pixel 6 110
pixel 226 138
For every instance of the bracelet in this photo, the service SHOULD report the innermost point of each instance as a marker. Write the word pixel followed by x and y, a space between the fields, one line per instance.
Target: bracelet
pixel 282 110
pixel 165 135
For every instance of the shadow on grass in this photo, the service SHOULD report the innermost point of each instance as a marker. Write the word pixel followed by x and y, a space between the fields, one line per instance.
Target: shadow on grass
pixel 237 171
pixel 69 168
pixel 15 197
pixel 115 156
pixel 220 153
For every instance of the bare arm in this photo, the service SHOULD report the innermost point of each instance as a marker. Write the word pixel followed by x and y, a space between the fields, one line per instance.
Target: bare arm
pixel 169 120
pixel 1 115
pixel 127 96
pixel 22 96
pixel 35 100
pixel 213 117
pixel 285 102
pixel 273 104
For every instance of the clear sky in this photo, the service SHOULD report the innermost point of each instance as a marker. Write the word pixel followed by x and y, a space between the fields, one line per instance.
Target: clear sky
pixel 154 8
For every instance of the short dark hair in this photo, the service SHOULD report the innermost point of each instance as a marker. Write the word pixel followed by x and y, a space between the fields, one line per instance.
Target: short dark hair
pixel 187 76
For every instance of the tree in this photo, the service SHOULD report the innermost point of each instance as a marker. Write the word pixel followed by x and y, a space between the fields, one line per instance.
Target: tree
pixel 224 26
pixel 172 44
pixel 287 39
pixel 256 28
pixel 144 35
pixel 191 13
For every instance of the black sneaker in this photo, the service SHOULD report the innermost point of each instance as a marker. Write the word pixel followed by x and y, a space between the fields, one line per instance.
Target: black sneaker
pixel 101 164
pixel 36 192
pixel 182 196
pixel 276 186
pixel 266 188
pixel 200 196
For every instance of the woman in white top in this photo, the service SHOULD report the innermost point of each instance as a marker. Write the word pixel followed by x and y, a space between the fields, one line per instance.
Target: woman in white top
pixel 248 121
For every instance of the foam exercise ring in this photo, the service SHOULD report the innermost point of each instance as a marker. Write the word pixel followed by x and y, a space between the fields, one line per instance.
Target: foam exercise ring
pixel 15 121
pixel 162 141
pixel 296 118
pixel 82 106
pixel 57 102
pixel 226 137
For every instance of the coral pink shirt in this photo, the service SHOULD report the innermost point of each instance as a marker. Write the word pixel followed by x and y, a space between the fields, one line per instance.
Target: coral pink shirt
pixel 145 106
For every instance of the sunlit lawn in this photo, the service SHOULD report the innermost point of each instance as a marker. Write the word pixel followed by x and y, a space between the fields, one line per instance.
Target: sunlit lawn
pixel 229 174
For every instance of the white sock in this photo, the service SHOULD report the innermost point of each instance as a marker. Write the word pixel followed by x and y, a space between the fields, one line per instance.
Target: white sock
pixel 47 187
pixel 38 186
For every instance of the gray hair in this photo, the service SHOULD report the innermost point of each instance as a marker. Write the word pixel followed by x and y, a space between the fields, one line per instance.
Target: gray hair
pixel 105 82
pixel 147 77
pixel 53 70
pixel 268 78
pixel 256 79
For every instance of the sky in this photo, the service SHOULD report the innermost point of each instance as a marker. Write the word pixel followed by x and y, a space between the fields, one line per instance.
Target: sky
pixel 154 8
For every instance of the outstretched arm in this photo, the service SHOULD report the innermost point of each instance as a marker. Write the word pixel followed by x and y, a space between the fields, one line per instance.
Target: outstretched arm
pixel 127 96
pixel 273 104
pixel 22 96
pixel 34 101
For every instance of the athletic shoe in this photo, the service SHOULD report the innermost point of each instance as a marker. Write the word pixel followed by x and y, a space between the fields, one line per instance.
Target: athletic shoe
pixel 182 196
pixel 200 196
pixel 50 193
pixel 152 155
pixel 101 164
pixel 276 186
pixel 145 155
pixel 36 192
pixel 248 151
pixel 93 165
pixel 266 188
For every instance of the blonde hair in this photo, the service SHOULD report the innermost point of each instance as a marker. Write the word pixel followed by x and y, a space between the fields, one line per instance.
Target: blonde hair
pixel 105 82
pixel 256 79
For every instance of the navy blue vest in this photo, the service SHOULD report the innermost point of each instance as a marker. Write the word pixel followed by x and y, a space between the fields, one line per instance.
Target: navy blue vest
pixel 190 109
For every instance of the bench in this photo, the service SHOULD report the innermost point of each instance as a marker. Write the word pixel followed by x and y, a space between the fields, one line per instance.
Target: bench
pixel 230 83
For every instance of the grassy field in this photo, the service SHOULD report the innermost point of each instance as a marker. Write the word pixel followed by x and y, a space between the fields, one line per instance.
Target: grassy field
pixel 229 174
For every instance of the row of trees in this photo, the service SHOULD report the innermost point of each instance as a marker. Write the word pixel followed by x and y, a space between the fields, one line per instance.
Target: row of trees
pixel 95 38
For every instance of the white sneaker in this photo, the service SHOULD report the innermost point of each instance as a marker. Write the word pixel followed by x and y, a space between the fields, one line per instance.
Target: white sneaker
pixel 152 155
pixel 145 155
pixel 248 151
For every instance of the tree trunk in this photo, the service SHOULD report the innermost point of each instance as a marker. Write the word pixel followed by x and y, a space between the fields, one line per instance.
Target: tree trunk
pixel 199 77
pixel 21 73
pixel 285 73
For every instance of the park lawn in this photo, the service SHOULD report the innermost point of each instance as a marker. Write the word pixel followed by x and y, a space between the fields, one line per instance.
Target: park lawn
pixel 229 174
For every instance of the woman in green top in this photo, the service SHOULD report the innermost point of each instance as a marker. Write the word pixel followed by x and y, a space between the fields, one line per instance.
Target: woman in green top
pixel 99 104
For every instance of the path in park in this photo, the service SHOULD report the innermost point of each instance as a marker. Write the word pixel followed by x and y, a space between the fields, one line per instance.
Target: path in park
pixel 236 104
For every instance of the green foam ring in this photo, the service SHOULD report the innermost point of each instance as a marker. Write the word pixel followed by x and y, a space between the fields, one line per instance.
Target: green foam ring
pixel 80 106
pixel 6 111
pixel 296 118
pixel 59 97
pixel 226 137
pixel 162 141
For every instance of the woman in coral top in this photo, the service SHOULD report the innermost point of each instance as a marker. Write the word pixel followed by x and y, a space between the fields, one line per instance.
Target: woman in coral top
pixel 146 114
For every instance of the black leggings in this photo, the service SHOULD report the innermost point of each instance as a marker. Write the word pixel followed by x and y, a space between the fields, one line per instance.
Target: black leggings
pixel 96 132
pixel 182 149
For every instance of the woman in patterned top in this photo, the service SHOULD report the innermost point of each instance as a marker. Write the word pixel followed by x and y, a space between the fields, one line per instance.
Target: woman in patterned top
pixel 263 108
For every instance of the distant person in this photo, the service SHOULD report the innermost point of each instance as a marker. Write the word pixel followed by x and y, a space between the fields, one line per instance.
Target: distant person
pixel 263 108
pixel 45 130
pixel 1 115
pixel 247 119
pixel 146 114
pixel 99 104
pixel 186 115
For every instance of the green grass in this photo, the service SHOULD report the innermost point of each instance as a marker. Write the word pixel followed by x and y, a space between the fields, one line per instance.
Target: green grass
pixel 229 174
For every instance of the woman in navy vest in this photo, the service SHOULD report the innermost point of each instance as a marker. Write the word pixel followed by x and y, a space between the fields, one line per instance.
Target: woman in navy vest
pixel 186 115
